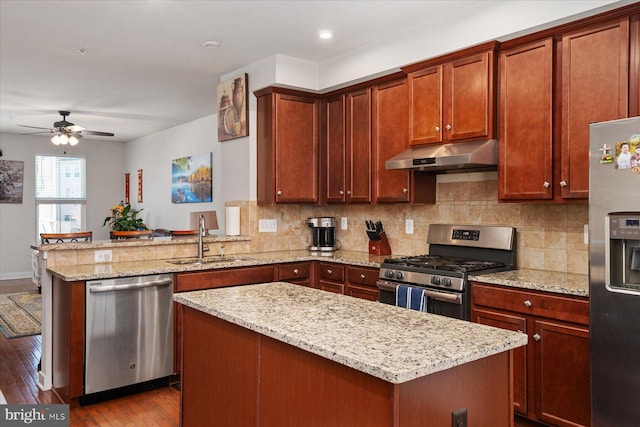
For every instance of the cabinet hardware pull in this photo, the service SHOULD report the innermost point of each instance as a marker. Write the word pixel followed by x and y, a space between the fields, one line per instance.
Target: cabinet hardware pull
pixel 329 271
pixel 295 271
pixel 279 192
pixel 546 184
pixel 405 190
pixel 563 184
pixel 348 191
pixel 362 276
pixel 537 337
pixel 341 192
pixel 528 303
pixel 448 127
pixel 437 128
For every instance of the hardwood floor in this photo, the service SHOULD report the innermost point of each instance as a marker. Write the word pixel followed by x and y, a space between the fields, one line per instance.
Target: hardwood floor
pixel 19 359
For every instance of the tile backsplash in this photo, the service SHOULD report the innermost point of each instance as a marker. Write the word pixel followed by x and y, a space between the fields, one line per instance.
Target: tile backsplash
pixel 549 236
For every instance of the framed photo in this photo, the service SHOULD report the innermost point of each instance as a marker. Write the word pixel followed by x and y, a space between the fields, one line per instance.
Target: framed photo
pixel 11 181
pixel 192 179
pixel 233 117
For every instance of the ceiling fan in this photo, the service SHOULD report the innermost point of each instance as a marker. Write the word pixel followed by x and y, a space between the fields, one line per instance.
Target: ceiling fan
pixel 66 132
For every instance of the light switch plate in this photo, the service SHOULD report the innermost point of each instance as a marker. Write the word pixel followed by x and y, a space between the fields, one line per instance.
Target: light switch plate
pixel 408 226
pixel 343 223
pixel 268 225
pixel 103 256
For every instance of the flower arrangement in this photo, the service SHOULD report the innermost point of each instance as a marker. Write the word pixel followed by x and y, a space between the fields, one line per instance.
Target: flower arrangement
pixel 124 218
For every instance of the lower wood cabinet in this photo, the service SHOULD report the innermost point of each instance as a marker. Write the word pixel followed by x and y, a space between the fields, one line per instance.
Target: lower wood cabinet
pixel 361 283
pixel 331 277
pixel 551 374
pixel 298 273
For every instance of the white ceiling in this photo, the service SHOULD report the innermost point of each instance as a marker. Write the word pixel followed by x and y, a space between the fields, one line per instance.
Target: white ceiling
pixel 145 70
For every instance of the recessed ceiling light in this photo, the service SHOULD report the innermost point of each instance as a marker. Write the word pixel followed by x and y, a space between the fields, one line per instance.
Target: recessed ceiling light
pixel 325 34
pixel 210 44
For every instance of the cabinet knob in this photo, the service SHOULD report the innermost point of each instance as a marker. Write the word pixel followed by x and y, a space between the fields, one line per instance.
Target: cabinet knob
pixel 362 276
pixel 563 184
pixel 448 127
pixel 329 271
pixel 279 192
pixel 546 184
pixel 528 303
pixel 295 271
pixel 348 191
pixel 341 192
pixel 405 190
pixel 537 337
pixel 437 128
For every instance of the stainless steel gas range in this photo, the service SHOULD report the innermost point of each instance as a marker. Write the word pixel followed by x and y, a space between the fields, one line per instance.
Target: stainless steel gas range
pixel 455 252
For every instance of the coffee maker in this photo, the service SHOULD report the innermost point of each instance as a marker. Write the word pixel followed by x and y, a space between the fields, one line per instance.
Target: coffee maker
pixel 323 231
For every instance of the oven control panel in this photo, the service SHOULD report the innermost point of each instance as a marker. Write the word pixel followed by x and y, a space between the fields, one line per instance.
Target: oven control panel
pixel 458 234
pixel 410 278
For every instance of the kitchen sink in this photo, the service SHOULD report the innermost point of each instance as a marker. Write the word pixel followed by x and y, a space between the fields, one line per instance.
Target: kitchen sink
pixel 208 260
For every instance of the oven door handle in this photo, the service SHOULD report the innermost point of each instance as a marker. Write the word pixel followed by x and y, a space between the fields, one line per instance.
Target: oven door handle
pixel 441 296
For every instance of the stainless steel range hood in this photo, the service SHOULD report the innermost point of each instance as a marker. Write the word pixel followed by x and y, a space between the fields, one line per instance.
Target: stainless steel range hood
pixel 448 158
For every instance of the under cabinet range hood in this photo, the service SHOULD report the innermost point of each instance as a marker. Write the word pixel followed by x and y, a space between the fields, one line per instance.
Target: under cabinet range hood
pixel 448 158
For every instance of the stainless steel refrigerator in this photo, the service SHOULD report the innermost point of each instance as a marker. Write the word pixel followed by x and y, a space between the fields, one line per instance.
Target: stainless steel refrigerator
pixel 614 272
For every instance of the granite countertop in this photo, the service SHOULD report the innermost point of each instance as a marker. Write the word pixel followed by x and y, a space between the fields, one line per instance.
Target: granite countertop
pixel 539 280
pixel 387 342
pixel 97 271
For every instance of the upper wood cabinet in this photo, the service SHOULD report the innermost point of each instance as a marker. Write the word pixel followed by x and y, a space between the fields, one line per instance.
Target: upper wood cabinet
pixel 550 91
pixel 452 98
pixel 389 139
pixel 288 149
pixel 348 147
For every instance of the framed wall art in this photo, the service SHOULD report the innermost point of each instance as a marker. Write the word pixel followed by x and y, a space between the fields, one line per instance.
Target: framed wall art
pixel 11 181
pixel 139 185
pixel 127 179
pixel 233 117
pixel 192 179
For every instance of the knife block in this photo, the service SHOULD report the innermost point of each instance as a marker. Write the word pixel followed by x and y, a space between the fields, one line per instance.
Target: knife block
pixel 380 247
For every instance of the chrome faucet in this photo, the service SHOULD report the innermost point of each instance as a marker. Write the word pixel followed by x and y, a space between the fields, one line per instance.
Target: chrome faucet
pixel 201 232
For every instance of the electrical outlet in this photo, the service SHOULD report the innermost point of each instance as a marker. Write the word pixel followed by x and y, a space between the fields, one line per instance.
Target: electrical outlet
pixel 459 418
pixel 343 223
pixel 103 256
pixel 268 225
pixel 408 226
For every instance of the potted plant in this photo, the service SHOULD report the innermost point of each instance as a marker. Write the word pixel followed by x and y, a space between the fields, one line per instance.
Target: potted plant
pixel 124 222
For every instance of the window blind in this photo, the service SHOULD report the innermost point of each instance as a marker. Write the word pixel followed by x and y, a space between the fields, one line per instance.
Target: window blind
pixel 60 178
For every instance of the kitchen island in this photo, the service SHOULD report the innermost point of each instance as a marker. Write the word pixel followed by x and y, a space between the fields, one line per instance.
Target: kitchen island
pixel 278 354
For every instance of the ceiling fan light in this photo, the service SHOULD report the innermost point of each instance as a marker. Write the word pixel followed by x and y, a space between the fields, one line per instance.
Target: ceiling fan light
pixel 56 140
pixel 73 140
pixel 64 139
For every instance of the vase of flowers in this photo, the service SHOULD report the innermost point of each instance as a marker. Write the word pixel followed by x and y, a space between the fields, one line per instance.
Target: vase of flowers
pixel 125 223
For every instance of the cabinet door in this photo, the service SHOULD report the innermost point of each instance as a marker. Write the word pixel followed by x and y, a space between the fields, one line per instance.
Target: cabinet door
pixel 512 322
pixel 390 138
pixel 595 68
pixel 425 106
pixel 359 146
pixel 526 134
pixel 562 373
pixel 336 156
pixel 296 149
pixel 471 100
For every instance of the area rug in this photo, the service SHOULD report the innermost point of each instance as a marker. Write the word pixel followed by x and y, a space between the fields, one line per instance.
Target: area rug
pixel 20 314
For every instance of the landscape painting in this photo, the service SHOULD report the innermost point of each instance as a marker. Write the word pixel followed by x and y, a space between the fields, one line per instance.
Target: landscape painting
pixel 192 179
pixel 11 180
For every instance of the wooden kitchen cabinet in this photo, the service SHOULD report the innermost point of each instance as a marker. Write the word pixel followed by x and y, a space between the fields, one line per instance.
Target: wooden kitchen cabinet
pixel 361 282
pixel 452 98
pixel 552 374
pixel 298 273
pixel 348 147
pixel 288 149
pixel 551 89
pixel 331 277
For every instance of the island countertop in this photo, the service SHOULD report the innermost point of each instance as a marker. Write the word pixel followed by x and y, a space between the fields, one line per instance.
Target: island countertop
pixel 387 342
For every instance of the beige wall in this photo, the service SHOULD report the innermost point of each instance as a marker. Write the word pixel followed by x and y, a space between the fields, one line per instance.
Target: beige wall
pixel 549 236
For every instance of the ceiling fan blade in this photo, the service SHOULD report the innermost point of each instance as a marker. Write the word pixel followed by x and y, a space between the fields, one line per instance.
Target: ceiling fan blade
pixel 93 132
pixel 74 128
pixel 35 127
pixel 35 133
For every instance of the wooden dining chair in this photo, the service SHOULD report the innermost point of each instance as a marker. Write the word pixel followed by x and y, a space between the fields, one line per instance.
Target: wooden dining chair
pixel 85 236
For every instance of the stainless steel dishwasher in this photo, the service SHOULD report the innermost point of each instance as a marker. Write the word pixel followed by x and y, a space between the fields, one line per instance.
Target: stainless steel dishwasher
pixel 128 331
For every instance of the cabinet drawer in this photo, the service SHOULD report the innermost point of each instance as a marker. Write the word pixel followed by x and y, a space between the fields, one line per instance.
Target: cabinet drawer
pixel 331 271
pixel 571 309
pixel 362 276
pixel 293 271
pixel 223 277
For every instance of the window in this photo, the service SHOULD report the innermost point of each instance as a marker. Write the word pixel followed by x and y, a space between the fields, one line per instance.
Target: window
pixel 60 194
